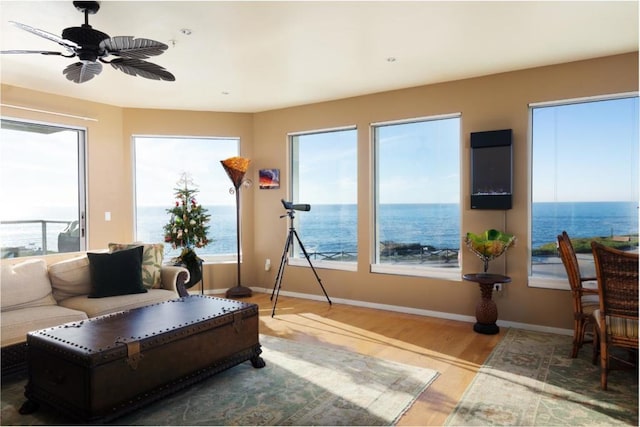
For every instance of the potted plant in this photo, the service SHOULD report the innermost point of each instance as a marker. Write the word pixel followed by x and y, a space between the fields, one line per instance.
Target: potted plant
pixel 489 245
pixel 187 228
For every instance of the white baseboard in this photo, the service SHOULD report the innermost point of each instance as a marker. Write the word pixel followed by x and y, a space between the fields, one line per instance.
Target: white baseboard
pixel 408 310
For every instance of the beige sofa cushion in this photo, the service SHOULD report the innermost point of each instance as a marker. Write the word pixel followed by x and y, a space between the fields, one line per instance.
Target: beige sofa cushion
pixel 25 285
pixel 70 278
pixel 99 306
pixel 16 323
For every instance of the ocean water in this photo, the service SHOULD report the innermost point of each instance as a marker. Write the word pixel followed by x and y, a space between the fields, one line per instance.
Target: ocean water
pixel 583 219
pixel 333 228
pixel 437 225
pixel 328 228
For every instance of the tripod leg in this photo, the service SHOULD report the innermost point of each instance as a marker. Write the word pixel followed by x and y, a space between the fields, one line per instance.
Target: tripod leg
pixel 278 283
pixel 306 255
pixel 283 260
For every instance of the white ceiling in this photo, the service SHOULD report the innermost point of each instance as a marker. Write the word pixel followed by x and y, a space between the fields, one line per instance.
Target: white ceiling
pixel 251 56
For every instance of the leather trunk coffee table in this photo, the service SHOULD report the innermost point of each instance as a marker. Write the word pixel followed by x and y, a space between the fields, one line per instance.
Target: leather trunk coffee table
pixel 99 369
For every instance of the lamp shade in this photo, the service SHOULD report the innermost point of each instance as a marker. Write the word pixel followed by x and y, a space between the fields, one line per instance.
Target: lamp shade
pixel 236 167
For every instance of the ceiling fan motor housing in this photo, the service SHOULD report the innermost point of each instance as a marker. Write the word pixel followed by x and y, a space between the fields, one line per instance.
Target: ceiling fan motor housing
pixel 88 39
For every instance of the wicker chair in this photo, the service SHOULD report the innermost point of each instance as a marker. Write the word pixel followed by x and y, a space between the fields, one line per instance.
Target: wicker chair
pixel 585 301
pixel 617 318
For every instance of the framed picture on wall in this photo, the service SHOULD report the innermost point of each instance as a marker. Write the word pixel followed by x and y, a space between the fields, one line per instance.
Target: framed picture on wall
pixel 269 179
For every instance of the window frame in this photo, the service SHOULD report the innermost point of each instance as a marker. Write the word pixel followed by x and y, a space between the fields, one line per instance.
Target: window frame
pixel 82 168
pixel 293 191
pixel 224 258
pixel 546 282
pixel 451 274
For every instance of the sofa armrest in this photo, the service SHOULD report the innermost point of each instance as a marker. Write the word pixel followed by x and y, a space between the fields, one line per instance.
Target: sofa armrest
pixel 173 279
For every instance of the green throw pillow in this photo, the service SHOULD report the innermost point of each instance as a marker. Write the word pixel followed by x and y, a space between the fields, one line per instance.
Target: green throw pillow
pixel 118 273
pixel 152 257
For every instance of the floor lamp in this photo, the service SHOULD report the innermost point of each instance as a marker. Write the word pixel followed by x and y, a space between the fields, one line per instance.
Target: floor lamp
pixel 236 167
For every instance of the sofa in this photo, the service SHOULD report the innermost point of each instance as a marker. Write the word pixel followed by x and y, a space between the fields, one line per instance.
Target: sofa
pixel 36 295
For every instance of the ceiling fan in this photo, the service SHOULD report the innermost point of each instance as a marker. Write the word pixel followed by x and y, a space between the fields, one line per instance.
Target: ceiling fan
pixel 92 47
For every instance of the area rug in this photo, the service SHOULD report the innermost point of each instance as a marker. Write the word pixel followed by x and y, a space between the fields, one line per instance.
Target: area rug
pixel 529 379
pixel 302 384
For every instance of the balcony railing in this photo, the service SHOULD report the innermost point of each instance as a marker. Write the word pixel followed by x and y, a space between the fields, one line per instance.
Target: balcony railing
pixel 20 238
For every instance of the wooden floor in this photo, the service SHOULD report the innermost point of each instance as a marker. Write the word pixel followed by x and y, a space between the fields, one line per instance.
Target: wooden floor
pixel 447 346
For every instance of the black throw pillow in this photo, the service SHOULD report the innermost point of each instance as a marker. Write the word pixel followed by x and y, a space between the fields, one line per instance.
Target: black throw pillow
pixel 117 273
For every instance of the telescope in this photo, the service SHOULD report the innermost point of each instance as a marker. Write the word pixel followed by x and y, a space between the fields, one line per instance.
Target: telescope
pixel 298 207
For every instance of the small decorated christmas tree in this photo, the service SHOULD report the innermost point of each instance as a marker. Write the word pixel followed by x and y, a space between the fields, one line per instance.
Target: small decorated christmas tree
pixel 187 227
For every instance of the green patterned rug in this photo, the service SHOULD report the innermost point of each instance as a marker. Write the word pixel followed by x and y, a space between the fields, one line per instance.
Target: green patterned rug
pixel 302 384
pixel 529 379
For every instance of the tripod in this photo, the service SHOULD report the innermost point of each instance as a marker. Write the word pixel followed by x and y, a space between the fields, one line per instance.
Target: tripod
pixel 283 262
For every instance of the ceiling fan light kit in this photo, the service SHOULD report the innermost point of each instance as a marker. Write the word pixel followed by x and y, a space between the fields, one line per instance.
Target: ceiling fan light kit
pixel 92 47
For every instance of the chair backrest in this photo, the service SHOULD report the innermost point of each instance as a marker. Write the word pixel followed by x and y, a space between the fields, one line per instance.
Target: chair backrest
pixel 617 273
pixel 570 261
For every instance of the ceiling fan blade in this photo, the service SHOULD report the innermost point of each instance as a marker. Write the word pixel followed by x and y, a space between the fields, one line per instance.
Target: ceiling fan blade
pixel 138 67
pixel 129 47
pixel 42 52
pixel 69 45
pixel 82 71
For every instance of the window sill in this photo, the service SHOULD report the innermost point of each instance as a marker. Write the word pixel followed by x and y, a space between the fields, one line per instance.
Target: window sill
pixel 209 259
pixel 548 283
pixel 453 274
pixel 329 265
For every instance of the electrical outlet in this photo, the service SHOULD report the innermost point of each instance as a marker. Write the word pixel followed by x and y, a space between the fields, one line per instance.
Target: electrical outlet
pixel 497 287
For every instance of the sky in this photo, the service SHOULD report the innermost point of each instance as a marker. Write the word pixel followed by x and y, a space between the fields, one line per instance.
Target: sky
pixel 29 170
pixel 586 152
pixel 160 163
pixel 581 153
pixel 419 162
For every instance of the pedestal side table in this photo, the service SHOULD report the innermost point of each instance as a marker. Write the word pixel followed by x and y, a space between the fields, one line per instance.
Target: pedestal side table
pixel 486 309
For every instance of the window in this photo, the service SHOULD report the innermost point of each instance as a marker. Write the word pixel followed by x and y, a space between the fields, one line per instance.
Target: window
pixel 417 203
pixel 159 164
pixel 584 181
pixel 324 175
pixel 42 191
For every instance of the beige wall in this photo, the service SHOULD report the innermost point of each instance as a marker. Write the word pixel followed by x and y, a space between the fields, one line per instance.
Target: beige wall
pixel 486 103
